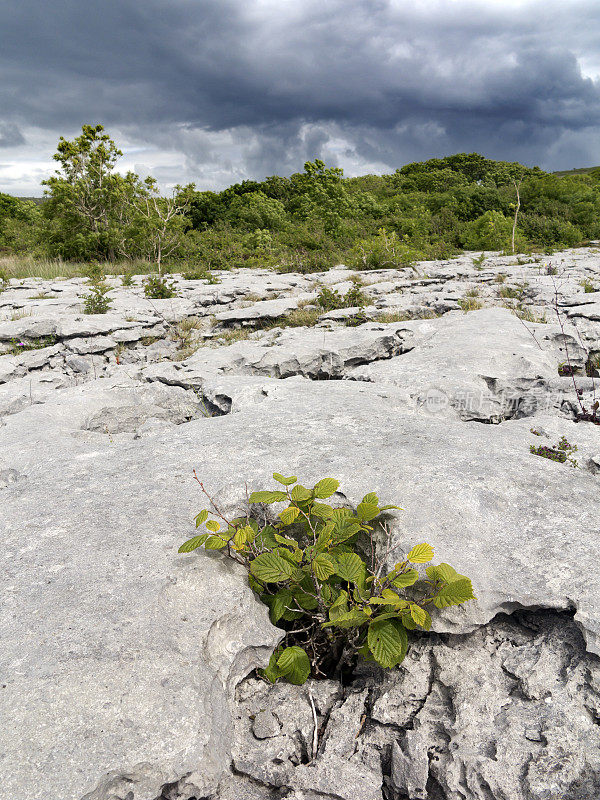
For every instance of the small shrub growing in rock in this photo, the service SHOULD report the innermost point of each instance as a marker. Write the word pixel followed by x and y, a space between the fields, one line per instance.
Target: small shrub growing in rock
pixel 318 569
pixel 561 452
pixel 96 302
pixel 157 287
pixel 588 286
pixel 331 299
pixel 127 279
pixel 3 280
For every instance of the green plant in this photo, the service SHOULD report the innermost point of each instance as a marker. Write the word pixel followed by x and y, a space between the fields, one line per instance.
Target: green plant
pixel 331 299
pixel 157 287
pixel 592 365
pixel 18 346
pixel 566 369
pixel 550 270
pixel 319 569
pixel 469 304
pixel 96 302
pixel 127 279
pixel 501 277
pixel 512 292
pixel 588 286
pixel 201 274
pixel 472 293
pixel 528 316
pixel 479 261
pixel 3 280
pixel 561 452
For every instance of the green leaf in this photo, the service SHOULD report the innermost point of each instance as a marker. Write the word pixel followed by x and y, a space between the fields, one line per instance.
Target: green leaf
pixel 202 517
pixel 266 538
pixel 420 554
pixel 215 543
pixel 300 493
pixel 193 543
pixel 350 567
pixel 272 672
pixel 371 499
pixel 339 606
pixel 294 664
pixel 213 525
pixel 325 488
pixel 242 536
pixel 278 604
pixel 407 578
pixel 367 511
pixel 387 508
pixel 455 593
pixel 271 568
pixel 340 514
pixel 289 514
pixel 321 510
pixel 324 566
pixel 348 619
pixel 324 537
pixel 443 572
pixel 285 481
pixel 420 616
pixel 267 497
pixel 387 641
pixel 305 600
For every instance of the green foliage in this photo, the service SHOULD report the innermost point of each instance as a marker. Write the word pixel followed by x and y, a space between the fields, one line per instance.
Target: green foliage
pixel 316 566
pixel 96 302
pixel 307 222
pixel 588 286
pixel 158 287
pixel 562 451
pixel 18 346
pixel 331 299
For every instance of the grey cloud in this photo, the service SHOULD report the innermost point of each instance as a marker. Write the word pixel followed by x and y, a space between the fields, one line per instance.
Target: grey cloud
pixel 244 88
pixel 10 135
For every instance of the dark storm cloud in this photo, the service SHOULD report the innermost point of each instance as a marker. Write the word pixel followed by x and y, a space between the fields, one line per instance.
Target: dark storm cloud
pixel 369 81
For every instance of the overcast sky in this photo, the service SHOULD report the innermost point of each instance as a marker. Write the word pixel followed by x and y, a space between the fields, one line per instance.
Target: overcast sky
pixel 215 91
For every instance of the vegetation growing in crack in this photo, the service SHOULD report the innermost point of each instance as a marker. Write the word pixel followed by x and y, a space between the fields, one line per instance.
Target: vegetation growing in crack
pixel 562 451
pixel 327 579
pixel 157 287
pixel 331 299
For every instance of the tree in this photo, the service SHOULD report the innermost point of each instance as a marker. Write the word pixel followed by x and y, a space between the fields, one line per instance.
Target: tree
pixel 85 192
pixel 92 211
pixel 158 223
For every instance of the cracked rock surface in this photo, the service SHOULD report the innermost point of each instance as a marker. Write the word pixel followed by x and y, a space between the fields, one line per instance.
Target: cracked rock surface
pixel 127 669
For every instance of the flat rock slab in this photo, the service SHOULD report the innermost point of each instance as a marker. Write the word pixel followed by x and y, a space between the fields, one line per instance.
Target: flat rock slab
pixel 127 646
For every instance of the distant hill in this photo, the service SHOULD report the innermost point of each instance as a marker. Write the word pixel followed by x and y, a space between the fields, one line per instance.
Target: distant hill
pixel 578 171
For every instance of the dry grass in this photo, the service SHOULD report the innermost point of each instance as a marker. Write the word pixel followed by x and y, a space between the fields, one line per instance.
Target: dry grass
pixel 470 304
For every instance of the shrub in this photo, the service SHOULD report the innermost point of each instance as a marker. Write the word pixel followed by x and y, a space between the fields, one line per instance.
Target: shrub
pixel 588 286
pixel 317 568
pixel 96 302
pixel 384 251
pixel 127 279
pixel 157 287
pixel 331 299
